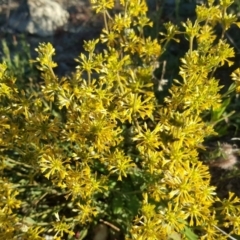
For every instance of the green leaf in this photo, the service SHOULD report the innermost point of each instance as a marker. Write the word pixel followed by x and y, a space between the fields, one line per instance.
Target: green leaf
pixel 190 234
pixel 174 236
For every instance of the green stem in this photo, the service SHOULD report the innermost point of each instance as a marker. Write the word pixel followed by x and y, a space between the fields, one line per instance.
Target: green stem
pixel 119 84
pixel 105 20
pixel 89 77
pixel 18 163
pixel 52 73
pixel 191 44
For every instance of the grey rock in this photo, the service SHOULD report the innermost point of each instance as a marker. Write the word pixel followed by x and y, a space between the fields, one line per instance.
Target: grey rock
pixel 39 17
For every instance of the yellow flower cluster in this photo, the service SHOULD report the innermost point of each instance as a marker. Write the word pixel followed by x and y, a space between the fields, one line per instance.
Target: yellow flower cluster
pixel 101 140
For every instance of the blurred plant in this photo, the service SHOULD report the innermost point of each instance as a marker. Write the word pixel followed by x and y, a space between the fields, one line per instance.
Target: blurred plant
pixel 222 118
pixel 225 119
pixel 17 55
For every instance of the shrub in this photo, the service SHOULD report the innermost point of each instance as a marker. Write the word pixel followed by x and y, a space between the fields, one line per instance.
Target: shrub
pixel 78 151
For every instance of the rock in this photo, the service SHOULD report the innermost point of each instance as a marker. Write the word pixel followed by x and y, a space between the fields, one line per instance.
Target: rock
pixel 39 17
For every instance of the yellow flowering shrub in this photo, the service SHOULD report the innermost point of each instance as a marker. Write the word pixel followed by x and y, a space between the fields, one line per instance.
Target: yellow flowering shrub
pixel 98 145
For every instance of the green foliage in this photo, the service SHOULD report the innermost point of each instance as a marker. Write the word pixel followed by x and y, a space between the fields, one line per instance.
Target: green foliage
pixel 17 56
pixel 83 150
